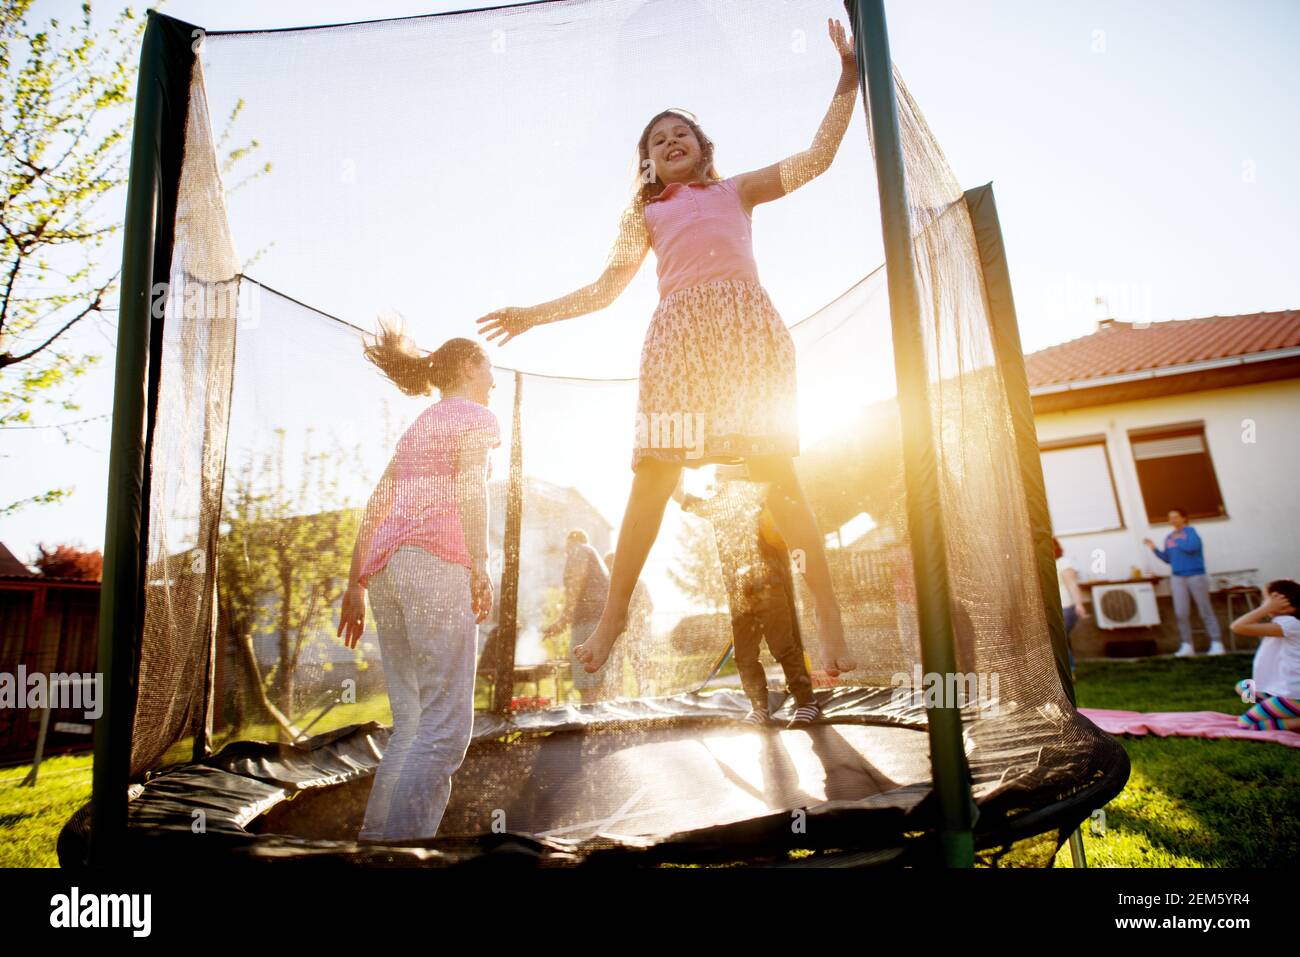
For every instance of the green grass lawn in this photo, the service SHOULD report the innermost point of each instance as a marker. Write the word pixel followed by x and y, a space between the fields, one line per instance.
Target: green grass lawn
pixel 31 817
pixel 1188 803
pixel 1191 802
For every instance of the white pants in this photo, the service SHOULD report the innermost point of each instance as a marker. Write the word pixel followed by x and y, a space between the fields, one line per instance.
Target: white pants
pixel 427 639
pixel 1198 588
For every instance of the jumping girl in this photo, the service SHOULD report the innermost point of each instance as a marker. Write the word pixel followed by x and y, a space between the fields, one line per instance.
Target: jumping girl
pixel 422 552
pixel 716 353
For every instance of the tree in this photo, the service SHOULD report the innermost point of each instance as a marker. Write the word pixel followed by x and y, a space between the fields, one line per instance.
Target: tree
pixel 68 561
pixel 244 579
pixel 63 117
pixel 699 572
pixel 283 563
pixel 65 122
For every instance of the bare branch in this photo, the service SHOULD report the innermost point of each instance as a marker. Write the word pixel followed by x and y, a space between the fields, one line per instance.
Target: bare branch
pixel 7 360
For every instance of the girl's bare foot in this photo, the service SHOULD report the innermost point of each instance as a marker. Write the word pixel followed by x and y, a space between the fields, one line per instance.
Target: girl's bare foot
pixel 593 652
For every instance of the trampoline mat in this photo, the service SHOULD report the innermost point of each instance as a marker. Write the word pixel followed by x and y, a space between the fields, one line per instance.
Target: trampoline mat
pixel 636 786
pixel 673 778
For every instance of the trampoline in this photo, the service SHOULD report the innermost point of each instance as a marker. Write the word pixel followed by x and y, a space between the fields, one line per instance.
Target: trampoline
pixel 423 163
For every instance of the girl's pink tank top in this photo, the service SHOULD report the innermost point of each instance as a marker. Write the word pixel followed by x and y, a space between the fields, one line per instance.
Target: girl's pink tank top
pixel 424 512
pixel 700 233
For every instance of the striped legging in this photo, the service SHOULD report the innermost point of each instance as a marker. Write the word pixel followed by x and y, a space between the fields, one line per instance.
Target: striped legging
pixel 1269 712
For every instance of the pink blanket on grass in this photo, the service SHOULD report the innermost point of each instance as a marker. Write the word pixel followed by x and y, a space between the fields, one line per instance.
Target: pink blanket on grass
pixel 1183 724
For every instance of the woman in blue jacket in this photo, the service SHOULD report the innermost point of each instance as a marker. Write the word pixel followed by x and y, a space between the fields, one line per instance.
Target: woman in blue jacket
pixel 1185 557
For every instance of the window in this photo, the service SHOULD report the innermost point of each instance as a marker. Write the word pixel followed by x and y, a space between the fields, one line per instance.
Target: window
pixel 1080 490
pixel 1174 471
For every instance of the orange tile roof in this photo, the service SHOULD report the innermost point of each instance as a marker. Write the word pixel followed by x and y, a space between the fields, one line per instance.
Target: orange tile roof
pixel 11 567
pixel 1119 347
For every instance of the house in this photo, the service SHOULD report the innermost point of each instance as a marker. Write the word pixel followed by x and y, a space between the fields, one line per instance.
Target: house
pixel 47 626
pixel 11 567
pixel 549 512
pixel 1199 414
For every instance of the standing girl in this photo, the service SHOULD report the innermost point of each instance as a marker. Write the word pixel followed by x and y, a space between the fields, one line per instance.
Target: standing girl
pixel 760 593
pixel 717 353
pixel 421 552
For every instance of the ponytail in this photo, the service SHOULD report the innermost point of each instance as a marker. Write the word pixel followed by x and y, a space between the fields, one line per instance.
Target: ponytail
pixel 414 371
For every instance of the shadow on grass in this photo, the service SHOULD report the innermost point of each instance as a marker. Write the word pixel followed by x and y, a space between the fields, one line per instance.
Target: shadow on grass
pixel 1192 802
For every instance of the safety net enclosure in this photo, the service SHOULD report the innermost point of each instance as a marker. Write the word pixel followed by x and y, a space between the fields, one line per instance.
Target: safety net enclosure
pixel 445 166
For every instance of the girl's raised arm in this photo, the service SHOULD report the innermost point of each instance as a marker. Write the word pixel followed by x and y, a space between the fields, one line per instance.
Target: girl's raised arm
pixel 1252 624
pixel 773 182
pixel 625 258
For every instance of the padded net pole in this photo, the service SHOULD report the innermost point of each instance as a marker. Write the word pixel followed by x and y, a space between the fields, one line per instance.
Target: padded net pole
pixel 924 517
pixel 508 616
pixel 1011 359
pixel 157 143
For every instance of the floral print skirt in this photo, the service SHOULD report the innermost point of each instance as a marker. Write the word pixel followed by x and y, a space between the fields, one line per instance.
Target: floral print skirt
pixel 717 380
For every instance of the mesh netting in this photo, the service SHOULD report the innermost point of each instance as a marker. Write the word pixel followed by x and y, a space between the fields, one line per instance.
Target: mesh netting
pixel 447 165
pixel 302 460
pixel 189 450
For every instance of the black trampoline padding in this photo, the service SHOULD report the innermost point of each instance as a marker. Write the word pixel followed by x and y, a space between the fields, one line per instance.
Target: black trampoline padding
pixel 678 778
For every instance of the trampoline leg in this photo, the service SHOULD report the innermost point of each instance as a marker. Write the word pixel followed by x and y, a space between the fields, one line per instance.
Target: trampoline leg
pixel 1076 848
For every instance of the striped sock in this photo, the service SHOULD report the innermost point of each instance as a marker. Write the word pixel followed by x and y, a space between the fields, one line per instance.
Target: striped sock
pixel 805 715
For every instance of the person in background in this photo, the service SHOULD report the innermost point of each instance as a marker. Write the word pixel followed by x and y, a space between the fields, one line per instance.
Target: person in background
pixel 756 574
pixel 640 608
pixel 1067 579
pixel 585 585
pixel 1273 690
pixel 1185 556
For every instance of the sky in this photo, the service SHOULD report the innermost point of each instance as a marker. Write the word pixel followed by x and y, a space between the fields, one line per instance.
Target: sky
pixel 1142 154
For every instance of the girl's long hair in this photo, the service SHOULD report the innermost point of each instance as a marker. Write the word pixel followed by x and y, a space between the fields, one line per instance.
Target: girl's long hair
pixel 644 190
pixel 413 370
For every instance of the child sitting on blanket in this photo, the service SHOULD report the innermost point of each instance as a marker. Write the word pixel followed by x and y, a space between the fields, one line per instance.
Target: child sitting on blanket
pixel 1273 690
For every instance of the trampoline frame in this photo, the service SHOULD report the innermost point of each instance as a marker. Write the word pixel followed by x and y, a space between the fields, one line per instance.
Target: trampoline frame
pixel 167 56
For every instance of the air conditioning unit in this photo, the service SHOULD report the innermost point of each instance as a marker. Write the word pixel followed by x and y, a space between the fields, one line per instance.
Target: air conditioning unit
pixel 1125 606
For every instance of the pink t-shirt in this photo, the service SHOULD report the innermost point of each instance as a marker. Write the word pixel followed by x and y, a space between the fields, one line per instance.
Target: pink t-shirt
pixel 424 511
pixel 700 233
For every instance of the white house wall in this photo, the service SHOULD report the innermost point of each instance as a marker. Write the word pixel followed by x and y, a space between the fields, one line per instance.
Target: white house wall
pixel 1257 479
